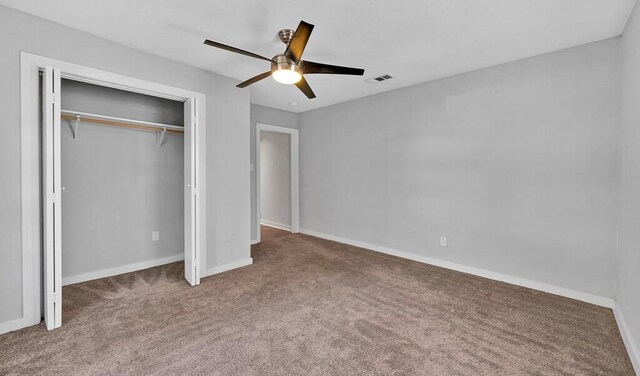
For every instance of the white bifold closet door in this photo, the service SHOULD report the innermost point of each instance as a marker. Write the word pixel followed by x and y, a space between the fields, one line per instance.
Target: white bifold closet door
pixel 191 194
pixel 51 191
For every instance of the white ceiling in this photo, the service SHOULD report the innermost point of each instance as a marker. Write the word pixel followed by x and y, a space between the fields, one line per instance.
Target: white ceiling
pixel 414 41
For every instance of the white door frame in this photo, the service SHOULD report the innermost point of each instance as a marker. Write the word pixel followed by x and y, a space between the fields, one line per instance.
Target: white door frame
pixel 295 180
pixel 30 66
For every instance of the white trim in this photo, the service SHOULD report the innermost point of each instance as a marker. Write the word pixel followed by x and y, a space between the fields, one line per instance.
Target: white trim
pixel 295 175
pixel 627 338
pixel 254 241
pixel 30 197
pixel 229 266
pixel 113 80
pixel 280 226
pixel 30 65
pixel 10 326
pixel 103 273
pixel 556 290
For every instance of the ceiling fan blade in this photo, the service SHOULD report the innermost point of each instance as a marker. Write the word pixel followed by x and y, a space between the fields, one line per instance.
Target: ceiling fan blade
pixel 299 41
pixel 309 67
pixel 303 85
pixel 255 79
pixel 233 49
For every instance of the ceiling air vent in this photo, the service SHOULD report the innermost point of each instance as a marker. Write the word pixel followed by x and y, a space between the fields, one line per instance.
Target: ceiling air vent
pixel 377 80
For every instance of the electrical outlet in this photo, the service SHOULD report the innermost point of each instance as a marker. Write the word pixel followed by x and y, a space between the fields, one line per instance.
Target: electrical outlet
pixel 443 241
pixel 155 236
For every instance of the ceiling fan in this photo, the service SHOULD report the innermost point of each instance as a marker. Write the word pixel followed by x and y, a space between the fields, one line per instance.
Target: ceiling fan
pixel 289 68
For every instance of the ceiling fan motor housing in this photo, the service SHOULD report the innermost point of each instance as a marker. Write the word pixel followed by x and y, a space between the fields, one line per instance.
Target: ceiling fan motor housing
pixel 281 62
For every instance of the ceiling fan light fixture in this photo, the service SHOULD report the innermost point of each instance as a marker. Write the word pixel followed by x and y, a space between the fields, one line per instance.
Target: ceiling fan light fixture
pixel 286 76
pixel 285 71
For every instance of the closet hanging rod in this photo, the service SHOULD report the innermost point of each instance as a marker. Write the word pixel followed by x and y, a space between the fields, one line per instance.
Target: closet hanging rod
pixel 120 122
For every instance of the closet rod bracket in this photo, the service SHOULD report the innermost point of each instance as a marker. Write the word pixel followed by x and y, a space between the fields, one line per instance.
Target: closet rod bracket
pixel 74 126
pixel 161 135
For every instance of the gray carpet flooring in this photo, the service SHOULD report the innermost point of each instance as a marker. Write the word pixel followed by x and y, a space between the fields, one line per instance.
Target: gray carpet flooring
pixel 308 306
pixel 268 234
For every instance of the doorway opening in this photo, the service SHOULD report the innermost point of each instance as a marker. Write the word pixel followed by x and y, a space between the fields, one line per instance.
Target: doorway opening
pixel 277 179
pixel 42 198
pixel 122 181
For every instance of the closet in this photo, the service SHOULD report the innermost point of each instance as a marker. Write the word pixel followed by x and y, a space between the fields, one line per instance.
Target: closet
pixel 120 177
pixel 122 170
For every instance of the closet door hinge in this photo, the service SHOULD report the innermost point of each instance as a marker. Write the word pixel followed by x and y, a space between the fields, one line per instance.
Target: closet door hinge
pixel 53 98
pixel 55 297
pixel 196 191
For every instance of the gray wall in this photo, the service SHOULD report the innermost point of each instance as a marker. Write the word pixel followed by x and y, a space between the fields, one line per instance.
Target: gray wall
pixel 227 205
pixel 265 115
pixel 516 164
pixel 119 186
pixel 628 293
pixel 275 178
pixel 80 96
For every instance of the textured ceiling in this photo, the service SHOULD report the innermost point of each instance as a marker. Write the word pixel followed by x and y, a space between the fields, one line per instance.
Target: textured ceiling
pixel 413 41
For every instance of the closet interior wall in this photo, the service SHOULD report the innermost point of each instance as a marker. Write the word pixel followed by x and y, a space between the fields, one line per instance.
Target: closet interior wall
pixel 119 184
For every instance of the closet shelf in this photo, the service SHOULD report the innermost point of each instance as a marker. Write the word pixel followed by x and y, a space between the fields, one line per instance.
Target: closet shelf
pixel 75 117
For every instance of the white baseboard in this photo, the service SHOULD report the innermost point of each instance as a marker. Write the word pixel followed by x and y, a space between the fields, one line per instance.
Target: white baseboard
pixel 556 290
pixel 229 266
pixel 121 269
pixel 10 326
pixel 254 241
pixel 277 225
pixel 627 338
